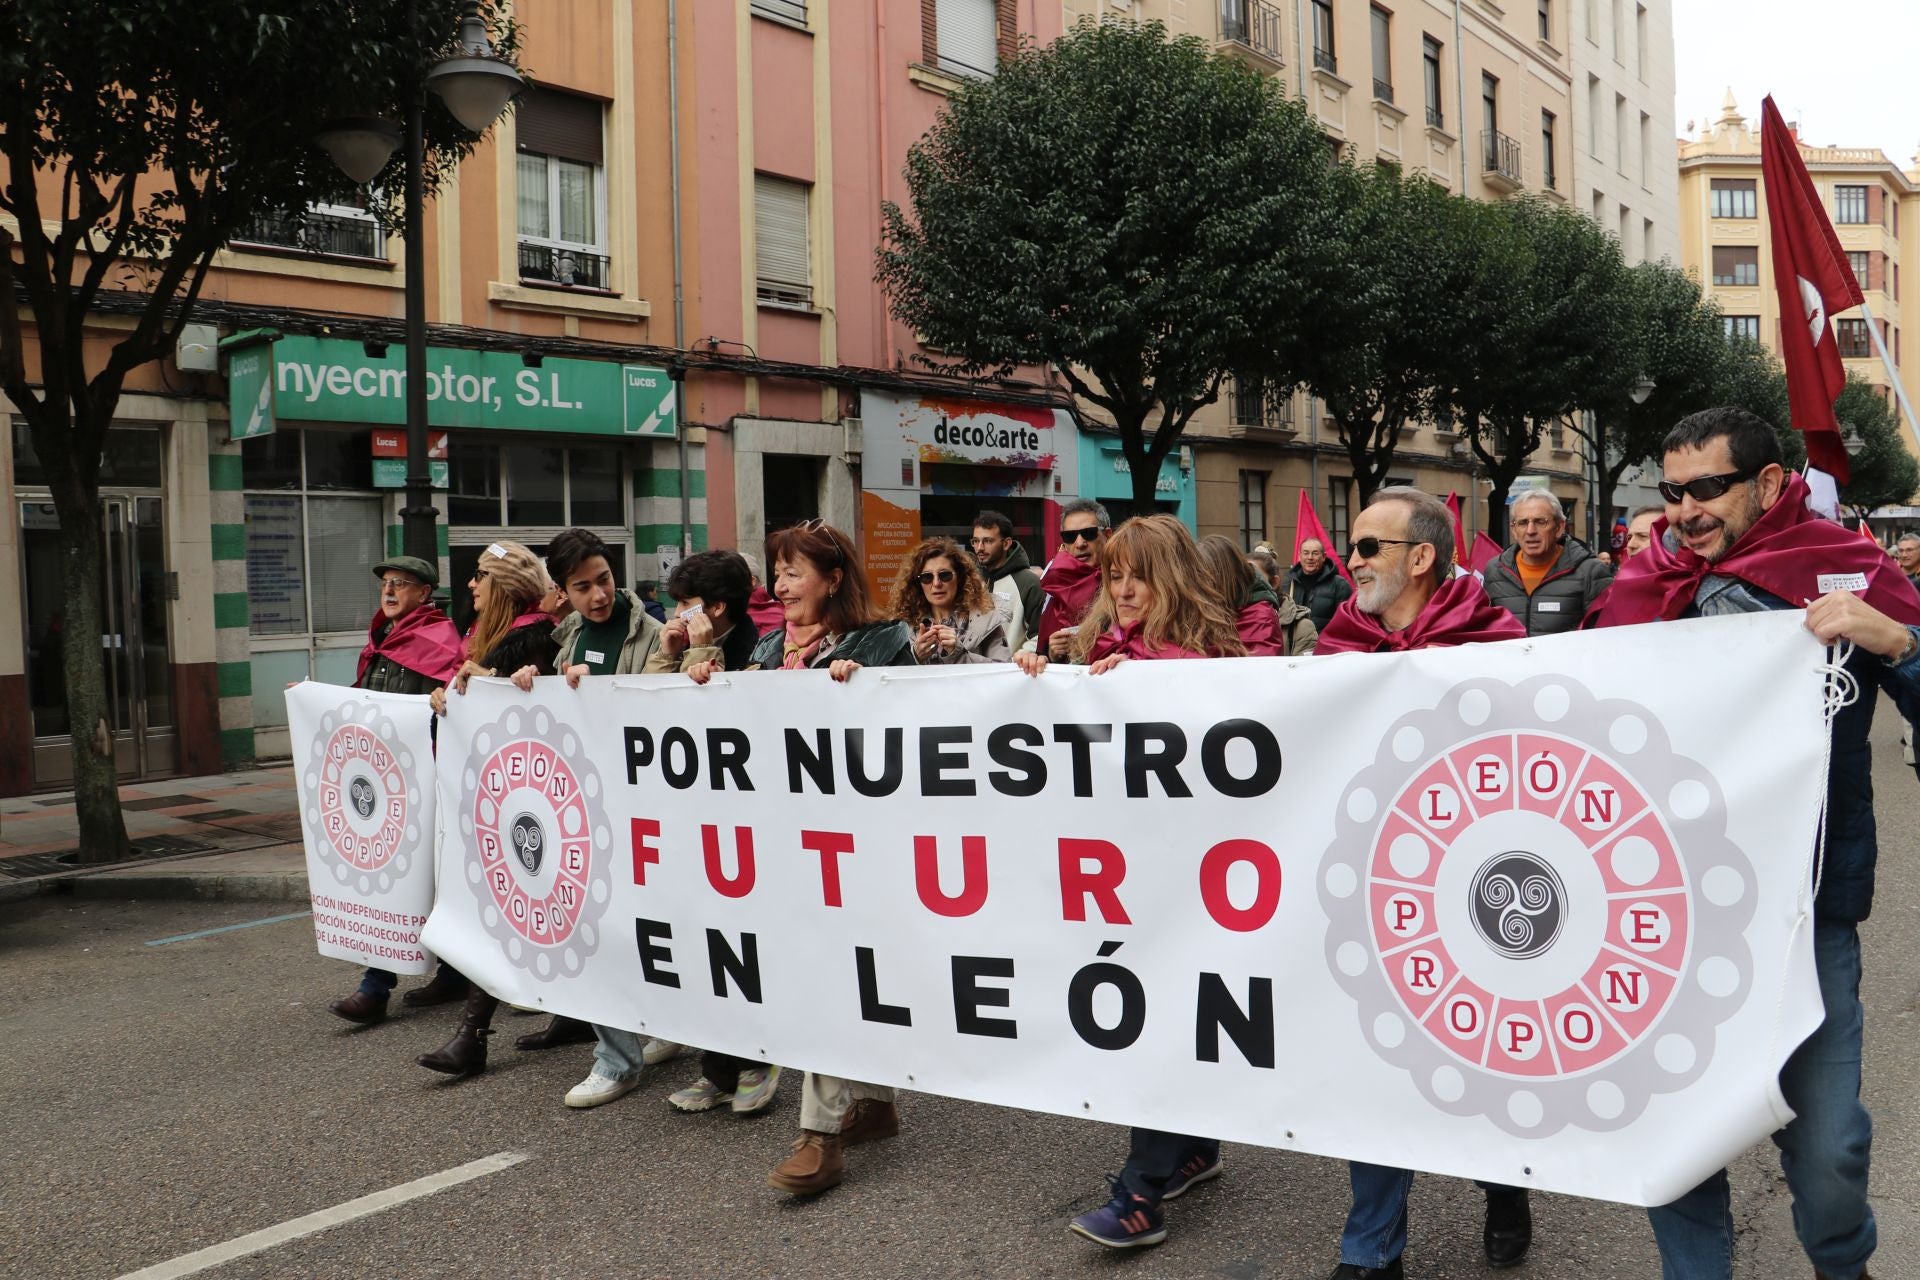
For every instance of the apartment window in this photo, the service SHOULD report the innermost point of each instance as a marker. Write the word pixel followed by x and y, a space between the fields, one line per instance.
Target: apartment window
pixel 562 190
pixel 1430 58
pixel 1620 133
pixel 1593 20
pixel 1382 54
pixel 794 11
pixel 1600 207
pixel 967 35
pixel 1640 42
pixel 1850 204
pixel 1855 344
pixel 1490 102
pixel 1646 147
pixel 1733 198
pixel 1323 52
pixel 1646 238
pixel 1546 21
pixel 1896 282
pixel 782 249
pixel 1862 263
pixel 331 230
pixel 1747 327
pixel 1626 232
pixel 1248 404
pixel 1896 219
pixel 1253 508
pixel 1337 523
pixel 1593 116
pixel 1619 34
pixel 1736 265
pixel 1547 154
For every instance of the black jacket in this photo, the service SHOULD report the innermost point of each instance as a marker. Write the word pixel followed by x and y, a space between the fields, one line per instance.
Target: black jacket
pixel 529 645
pixel 1569 590
pixel 880 644
pixel 1318 593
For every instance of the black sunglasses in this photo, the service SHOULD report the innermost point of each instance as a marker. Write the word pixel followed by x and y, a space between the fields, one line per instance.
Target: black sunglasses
pixel 1705 488
pixel 1080 535
pixel 1368 548
pixel 932 576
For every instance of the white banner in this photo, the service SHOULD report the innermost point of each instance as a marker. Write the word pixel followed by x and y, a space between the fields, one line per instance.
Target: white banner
pixel 364 771
pixel 1535 912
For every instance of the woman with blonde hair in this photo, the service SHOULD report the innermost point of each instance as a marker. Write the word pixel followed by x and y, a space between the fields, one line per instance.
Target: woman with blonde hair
pixel 509 632
pixel 1158 601
pixel 944 601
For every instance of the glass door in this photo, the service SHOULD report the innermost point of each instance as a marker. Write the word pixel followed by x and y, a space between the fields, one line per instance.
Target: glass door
pixel 134 650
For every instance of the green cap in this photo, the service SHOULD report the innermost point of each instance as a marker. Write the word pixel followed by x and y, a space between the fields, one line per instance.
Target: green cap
pixel 409 564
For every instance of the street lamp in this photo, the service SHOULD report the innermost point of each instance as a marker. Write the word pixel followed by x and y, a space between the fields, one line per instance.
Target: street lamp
pixel 476 87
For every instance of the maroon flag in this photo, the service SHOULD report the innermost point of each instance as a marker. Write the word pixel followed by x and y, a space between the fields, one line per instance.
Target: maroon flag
pixel 1459 530
pixel 1811 274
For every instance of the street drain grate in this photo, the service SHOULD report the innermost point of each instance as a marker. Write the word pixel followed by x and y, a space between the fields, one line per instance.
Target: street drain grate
pixel 33 865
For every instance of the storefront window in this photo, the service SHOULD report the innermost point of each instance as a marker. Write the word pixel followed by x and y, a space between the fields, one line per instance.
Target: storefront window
pixel 536 485
pixel 474 479
pixel 276 553
pixel 131 458
pixel 594 477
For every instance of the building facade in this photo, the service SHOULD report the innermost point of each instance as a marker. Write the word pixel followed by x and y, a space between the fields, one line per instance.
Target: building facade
pixel 651 313
pixel 1624 174
pixel 1723 237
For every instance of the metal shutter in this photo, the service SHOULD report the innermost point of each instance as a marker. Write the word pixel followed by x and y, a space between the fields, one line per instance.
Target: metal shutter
pixel 783 265
pixel 560 124
pixel 968 37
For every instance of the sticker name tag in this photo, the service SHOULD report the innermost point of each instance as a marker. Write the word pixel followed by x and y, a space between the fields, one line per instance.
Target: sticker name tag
pixel 1842 582
pixel 497 551
pixel 1549 606
pixel 595 656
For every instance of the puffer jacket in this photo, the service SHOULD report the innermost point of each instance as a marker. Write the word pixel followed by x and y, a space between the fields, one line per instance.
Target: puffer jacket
pixel 1320 593
pixel 1561 600
pixel 880 644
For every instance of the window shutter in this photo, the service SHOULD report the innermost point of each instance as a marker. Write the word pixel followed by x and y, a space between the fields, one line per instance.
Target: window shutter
pixel 1722 262
pixel 968 41
pixel 782 263
pixel 561 124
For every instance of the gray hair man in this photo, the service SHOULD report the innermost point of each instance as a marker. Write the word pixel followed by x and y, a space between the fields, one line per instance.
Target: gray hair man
pixel 1072 579
pixel 1545 579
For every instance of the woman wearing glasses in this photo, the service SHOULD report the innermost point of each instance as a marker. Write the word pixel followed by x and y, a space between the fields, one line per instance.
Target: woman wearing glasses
pixel 509 633
pixel 945 602
pixel 830 623
pixel 1159 602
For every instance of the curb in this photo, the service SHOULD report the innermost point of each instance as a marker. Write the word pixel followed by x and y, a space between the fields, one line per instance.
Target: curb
pixel 286 887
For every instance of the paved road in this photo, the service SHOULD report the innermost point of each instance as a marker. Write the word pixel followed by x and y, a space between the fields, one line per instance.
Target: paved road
pixel 162 1099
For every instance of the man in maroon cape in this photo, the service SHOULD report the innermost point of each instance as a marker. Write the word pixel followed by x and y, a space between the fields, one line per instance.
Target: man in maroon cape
pixel 1406 596
pixel 1072 578
pixel 1738 538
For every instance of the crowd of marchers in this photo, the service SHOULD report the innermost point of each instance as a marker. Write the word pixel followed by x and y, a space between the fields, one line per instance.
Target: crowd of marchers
pixel 1734 535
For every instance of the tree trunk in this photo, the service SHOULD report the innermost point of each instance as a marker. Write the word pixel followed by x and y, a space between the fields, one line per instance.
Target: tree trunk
pixel 1143 465
pixel 96 793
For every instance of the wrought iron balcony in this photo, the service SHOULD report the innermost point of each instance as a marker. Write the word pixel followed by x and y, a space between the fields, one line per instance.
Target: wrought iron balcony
pixel 1500 160
pixel 1254 24
pixel 1436 118
pixel 1383 91
pixel 1324 60
pixel 334 234
pixel 574 268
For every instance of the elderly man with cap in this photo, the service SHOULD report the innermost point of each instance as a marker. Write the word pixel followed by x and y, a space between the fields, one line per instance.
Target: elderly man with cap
pixel 412 647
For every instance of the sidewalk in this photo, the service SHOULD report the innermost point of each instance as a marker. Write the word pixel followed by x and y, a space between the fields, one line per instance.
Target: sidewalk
pixel 233 835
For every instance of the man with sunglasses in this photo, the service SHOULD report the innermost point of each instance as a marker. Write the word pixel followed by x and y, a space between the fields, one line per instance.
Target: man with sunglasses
pixel 1072 579
pixel 1738 538
pixel 1545 579
pixel 1406 596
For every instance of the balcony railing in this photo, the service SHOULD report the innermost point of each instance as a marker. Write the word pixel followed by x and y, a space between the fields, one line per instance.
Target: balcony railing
pixel 321 233
pixel 1500 157
pixel 1383 91
pixel 1324 60
pixel 1436 118
pixel 574 268
pixel 1253 23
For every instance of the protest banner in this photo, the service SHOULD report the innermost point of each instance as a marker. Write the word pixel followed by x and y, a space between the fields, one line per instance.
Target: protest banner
pixel 364 771
pixel 1536 912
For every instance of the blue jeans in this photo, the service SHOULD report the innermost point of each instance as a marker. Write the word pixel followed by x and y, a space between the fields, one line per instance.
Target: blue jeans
pixel 1376 1230
pixel 1153 1157
pixel 1823 1150
pixel 617 1053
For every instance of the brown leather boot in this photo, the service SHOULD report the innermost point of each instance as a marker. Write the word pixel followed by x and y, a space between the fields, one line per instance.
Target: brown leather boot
pixel 445 987
pixel 815 1165
pixel 466 1053
pixel 868 1120
pixel 562 1030
pixel 361 1008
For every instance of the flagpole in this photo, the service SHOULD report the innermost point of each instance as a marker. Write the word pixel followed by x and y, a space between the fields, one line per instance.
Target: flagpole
pixel 1893 374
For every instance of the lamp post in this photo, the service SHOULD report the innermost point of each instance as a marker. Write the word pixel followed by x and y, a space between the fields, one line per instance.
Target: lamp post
pixel 476 87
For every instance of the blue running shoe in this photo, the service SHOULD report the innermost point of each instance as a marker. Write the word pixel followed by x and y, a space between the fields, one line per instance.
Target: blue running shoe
pixel 1125 1222
pixel 1196 1170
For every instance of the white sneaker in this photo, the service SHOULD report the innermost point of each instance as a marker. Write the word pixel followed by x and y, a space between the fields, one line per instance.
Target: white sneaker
pixel 656 1052
pixel 598 1090
pixel 755 1090
pixel 702 1095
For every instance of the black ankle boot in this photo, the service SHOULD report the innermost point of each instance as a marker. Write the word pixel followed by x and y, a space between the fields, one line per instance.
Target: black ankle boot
pixel 466 1053
pixel 562 1030
pixel 1509 1231
pixel 446 986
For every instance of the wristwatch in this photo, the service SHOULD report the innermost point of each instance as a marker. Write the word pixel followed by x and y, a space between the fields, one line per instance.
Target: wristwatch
pixel 1906 651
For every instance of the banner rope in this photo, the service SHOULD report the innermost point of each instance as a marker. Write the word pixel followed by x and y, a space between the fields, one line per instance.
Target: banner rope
pixel 1841 689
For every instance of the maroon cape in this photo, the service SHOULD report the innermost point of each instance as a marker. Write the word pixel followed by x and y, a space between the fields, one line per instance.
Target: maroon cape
pixel 1787 553
pixel 422 641
pixel 1259 627
pixel 766 613
pixel 1459 613
pixel 1132 642
pixel 1070 587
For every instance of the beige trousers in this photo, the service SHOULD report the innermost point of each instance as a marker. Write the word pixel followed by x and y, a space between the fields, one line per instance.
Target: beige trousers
pixel 825 1099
